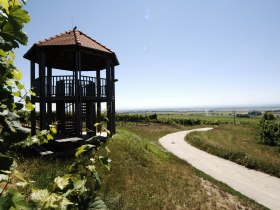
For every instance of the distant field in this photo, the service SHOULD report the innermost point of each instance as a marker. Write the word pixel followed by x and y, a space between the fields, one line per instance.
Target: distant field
pixel 192 118
pixel 215 116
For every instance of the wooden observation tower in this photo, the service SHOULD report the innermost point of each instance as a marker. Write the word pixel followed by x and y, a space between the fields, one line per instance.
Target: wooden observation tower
pixel 73 100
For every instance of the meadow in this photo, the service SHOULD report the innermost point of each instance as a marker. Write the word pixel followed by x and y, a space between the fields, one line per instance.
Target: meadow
pixel 143 175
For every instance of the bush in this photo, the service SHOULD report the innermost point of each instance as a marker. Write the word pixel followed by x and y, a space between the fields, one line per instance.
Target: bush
pixel 269 131
pixel 268 116
pixel 255 113
pixel 243 115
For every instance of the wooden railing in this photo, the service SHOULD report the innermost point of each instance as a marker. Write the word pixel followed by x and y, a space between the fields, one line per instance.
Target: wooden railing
pixel 65 86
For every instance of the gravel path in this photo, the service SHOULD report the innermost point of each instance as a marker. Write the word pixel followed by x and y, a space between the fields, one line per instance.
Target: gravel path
pixel 263 188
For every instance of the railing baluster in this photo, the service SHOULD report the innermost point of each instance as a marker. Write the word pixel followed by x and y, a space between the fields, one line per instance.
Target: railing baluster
pixel 70 85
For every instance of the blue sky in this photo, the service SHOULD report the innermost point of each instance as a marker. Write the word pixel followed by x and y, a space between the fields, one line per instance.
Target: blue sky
pixel 173 54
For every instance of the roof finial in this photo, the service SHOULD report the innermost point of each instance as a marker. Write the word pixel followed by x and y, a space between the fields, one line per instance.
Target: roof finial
pixel 75 28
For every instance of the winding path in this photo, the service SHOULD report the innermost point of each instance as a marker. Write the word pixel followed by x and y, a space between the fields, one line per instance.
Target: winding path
pixel 263 188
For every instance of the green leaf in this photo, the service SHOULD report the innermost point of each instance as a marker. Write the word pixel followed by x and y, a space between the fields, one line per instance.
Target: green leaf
pixel 39 195
pixel 22 184
pixel 96 124
pixel 5 5
pixel 20 16
pixel 49 137
pixel 82 149
pixel 105 161
pixel 107 131
pixel 17 74
pixel 19 176
pixel 53 130
pixel 107 150
pixel 32 93
pixel 53 200
pixel 18 200
pixel 91 168
pixel 12 29
pixel 18 94
pixel 20 86
pixel 3 177
pixel 29 106
pixel 64 203
pixel 79 184
pixel 97 181
pixel 61 182
pixel 97 204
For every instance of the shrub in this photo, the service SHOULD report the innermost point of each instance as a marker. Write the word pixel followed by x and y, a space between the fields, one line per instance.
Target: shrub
pixel 243 115
pixel 268 116
pixel 255 113
pixel 269 131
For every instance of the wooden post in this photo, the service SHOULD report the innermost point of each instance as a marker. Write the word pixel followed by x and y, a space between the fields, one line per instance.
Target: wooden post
pixel 42 79
pixel 108 94
pixel 78 104
pixel 98 84
pixel 60 108
pixel 33 112
pixel 90 110
pixel 49 95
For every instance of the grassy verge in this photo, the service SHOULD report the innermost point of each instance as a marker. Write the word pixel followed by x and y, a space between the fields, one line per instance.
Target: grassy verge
pixel 238 143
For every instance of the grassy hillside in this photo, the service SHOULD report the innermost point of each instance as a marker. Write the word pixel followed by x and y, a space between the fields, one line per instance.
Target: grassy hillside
pixel 239 143
pixel 144 176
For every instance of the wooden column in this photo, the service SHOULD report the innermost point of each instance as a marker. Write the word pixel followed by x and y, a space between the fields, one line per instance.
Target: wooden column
pixel 60 106
pixel 98 84
pixel 109 94
pixel 42 75
pixel 90 110
pixel 49 90
pixel 113 100
pixel 33 112
pixel 78 104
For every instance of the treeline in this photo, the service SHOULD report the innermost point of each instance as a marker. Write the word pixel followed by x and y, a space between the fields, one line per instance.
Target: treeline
pixel 141 118
pixel 136 117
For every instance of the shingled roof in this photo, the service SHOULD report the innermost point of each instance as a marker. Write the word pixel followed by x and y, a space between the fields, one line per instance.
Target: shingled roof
pixel 59 51
pixel 74 37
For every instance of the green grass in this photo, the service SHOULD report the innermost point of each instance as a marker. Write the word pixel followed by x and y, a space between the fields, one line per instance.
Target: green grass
pixel 240 144
pixel 43 170
pixel 144 176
